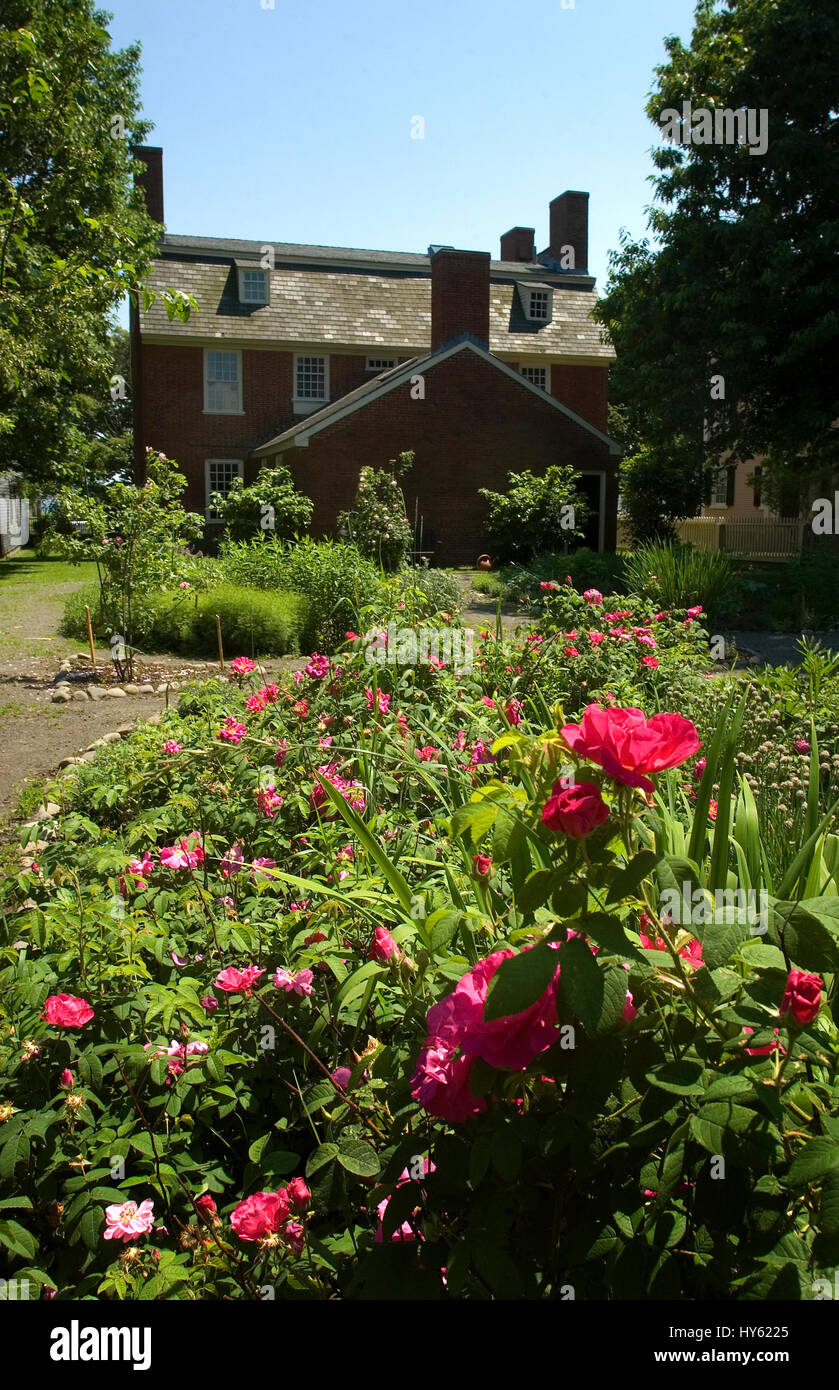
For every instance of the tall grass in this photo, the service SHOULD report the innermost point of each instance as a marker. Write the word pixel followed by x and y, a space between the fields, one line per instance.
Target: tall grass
pixel 680 576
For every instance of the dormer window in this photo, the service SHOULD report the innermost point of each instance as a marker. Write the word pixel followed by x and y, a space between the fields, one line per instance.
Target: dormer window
pixel 537 302
pixel 253 286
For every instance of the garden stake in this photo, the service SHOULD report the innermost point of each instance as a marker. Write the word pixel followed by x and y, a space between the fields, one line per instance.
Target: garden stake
pixel 90 638
pixel 220 648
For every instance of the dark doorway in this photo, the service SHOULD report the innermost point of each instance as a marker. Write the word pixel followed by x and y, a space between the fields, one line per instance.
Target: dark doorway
pixel 589 486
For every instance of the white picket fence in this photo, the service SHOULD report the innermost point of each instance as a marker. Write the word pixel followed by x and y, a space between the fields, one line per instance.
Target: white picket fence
pixel 759 538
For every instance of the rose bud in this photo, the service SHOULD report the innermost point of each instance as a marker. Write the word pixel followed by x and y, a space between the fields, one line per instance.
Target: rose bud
pixel 802 998
pixel 482 865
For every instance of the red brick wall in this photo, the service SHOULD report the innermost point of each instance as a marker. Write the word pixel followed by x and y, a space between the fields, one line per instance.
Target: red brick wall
pixel 583 389
pixel 474 426
pixel 174 419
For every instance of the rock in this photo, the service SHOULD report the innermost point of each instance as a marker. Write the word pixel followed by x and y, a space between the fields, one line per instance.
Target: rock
pixel 153 719
pixel 95 693
pixel 61 697
pixel 65 666
pixel 80 695
pixel 88 756
pixel 109 738
pixel 124 730
pixel 145 689
pixel 131 689
pixel 66 762
pixel 81 656
pixel 161 690
pixel 115 692
pixel 46 812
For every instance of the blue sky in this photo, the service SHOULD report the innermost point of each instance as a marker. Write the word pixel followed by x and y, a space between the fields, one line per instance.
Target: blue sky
pixel 293 123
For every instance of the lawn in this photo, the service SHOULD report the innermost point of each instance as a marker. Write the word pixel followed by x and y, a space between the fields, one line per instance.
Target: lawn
pixel 32 597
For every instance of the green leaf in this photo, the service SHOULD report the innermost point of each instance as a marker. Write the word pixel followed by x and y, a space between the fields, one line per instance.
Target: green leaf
pixel 626 882
pixel 17 1239
pixel 818 1157
pixel 682 1078
pixel 359 1157
pixel 507 1154
pixel 609 931
pixel 442 926
pixel 280 1161
pixel 538 887
pixel 596 994
pixel 520 981
pixel 326 1153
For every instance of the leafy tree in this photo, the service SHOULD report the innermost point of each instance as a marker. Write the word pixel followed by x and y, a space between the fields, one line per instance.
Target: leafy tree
pixel 537 515
pixel 655 497
pixel 74 233
pixel 378 524
pixel 742 281
pixel 135 535
pixel 270 506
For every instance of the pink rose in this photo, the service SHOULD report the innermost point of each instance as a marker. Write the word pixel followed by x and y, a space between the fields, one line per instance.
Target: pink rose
pixel 127 1220
pixel 628 746
pixel 67 1011
pixel 510 1042
pixel 576 810
pixel 234 981
pixel 592 596
pixel 243 665
pixel 301 983
pixel 441 1083
pixel 481 865
pixel 260 1215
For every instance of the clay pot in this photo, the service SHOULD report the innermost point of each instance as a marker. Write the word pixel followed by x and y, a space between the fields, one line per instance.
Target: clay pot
pixel 483 562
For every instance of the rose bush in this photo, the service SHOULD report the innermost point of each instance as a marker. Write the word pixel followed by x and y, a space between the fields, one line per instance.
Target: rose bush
pixel 231 1027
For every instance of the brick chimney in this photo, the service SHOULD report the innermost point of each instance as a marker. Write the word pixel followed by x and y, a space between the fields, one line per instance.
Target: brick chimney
pixel 569 229
pixel 459 295
pixel 517 244
pixel 150 178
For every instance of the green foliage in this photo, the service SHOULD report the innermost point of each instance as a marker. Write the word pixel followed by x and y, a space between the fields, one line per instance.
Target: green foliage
pixel 253 622
pixel 588 569
pixel 594 1168
pixel 74 233
pixel 680 576
pixel 423 591
pixel 270 506
pixel 536 514
pixel 742 277
pixel 656 492
pixel 135 534
pixel 338 582
pixel 378 524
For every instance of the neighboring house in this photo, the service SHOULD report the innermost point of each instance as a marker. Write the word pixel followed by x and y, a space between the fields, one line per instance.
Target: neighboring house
pixel 731 497
pixel 326 359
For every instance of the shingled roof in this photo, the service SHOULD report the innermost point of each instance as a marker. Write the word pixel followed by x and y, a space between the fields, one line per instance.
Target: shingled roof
pixel 339 297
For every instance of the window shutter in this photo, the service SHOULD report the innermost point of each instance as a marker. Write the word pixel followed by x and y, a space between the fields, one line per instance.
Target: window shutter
pixel 756 485
pixel 729 487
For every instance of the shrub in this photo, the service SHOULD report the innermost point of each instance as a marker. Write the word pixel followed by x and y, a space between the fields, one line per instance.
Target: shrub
pixel 536 514
pixel 680 576
pixel 378 524
pixel 337 580
pixel 270 506
pixel 252 621
pixel 424 592
pixel 589 569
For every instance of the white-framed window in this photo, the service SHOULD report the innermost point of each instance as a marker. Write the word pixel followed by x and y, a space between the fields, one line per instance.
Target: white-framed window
pixel 719 489
pixel 222 382
pixel 253 286
pixel 379 364
pixel 538 304
pixel 537 376
pixel 219 475
pixel 311 383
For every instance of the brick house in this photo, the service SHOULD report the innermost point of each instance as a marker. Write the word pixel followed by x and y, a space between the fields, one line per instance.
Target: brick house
pixel 326 359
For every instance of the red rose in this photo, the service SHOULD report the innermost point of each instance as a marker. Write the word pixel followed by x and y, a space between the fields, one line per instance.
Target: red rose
pixel 575 810
pixel 628 746
pixel 259 1215
pixel 802 998
pixel 66 1011
pixel 481 865
pixel 206 1205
